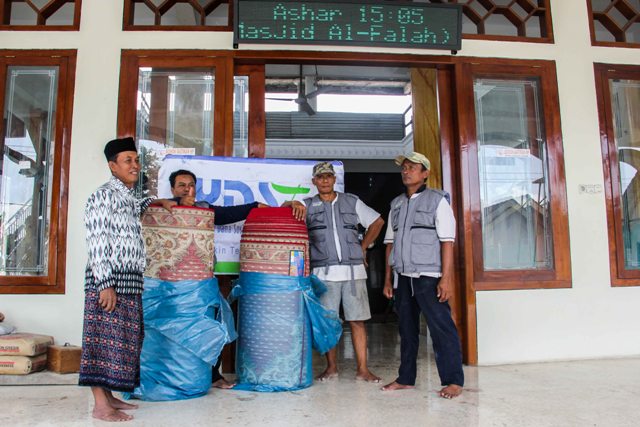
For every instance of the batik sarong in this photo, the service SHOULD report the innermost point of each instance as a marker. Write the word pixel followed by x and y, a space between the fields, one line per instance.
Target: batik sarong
pixel 111 343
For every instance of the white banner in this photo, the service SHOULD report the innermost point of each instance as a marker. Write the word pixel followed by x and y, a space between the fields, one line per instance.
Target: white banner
pixel 230 181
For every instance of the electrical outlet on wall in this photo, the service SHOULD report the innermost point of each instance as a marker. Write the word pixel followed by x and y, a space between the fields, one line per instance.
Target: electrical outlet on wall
pixel 590 188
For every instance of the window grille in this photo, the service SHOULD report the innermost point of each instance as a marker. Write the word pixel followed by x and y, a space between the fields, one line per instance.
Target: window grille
pixel 505 19
pixel 177 15
pixel 40 14
pixel 518 20
pixel 615 22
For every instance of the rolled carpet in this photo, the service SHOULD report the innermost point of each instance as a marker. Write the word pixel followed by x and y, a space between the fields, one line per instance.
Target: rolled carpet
pixel 279 316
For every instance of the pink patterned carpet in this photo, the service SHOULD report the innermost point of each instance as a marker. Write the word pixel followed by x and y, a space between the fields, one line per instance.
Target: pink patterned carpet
pixel 180 244
pixel 268 239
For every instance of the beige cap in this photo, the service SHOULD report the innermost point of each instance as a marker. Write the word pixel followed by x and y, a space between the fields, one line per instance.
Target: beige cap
pixel 323 167
pixel 414 157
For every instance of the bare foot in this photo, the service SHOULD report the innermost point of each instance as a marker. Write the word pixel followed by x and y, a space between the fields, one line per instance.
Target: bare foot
pixel 395 386
pixel 451 391
pixel 223 384
pixel 328 374
pixel 110 414
pixel 119 404
pixel 368 377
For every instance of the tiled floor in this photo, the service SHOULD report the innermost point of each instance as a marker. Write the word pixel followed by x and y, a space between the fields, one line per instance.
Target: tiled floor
pixel 584 393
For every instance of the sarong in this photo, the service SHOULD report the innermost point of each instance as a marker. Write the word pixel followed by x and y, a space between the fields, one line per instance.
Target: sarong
pixel 111 343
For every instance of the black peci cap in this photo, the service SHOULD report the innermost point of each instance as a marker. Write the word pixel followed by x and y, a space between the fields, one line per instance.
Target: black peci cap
pixel 119 145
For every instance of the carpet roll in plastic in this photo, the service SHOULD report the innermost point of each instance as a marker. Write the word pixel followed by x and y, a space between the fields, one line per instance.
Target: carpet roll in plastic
pixel 187 322
pixel 280 318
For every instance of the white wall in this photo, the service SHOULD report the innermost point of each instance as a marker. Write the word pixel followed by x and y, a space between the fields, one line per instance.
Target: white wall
pixel 591 319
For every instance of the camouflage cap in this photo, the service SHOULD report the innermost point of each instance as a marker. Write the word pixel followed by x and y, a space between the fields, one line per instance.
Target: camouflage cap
pixel 323 167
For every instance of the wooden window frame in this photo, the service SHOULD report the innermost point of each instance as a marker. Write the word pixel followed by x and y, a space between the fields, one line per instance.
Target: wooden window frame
pixel 5 7
pixel 257 114
pixel 559 276
pixel 132 60
pixel 54 281
pixel 620 275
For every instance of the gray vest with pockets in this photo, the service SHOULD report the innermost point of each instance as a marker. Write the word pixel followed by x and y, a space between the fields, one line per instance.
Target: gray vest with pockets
pixel 322 246
pixel 416 246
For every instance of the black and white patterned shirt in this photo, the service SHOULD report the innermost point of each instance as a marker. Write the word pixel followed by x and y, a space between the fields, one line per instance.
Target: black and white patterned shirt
pixel 114 239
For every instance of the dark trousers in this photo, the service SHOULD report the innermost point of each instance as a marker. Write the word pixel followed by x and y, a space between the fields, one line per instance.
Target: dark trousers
pixel 215 372
pixel 415 295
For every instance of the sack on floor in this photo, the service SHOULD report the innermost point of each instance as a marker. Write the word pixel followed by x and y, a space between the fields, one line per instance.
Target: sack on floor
pixel 22 365
pixel 24 344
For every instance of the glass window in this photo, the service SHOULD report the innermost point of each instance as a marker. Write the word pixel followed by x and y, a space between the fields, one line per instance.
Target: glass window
pixel 241 116
pixel 625 107
pixel 618 90
pixel 512 146
pixel 175 115
pixel 26 170
pixel 36 93
pixel 513 175
pixel 176 104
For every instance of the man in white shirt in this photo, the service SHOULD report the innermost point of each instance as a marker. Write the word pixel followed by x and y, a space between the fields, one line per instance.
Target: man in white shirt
pixel 419 242
pixel 338 258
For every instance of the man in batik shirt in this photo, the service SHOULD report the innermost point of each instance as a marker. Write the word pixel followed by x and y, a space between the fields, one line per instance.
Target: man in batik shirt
pixel 113 326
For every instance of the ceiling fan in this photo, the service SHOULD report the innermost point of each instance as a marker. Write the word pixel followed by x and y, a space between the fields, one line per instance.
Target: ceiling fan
pixel 302 99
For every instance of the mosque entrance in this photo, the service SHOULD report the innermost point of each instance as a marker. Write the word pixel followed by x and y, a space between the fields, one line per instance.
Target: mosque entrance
pixel 363 116
pixel 376 184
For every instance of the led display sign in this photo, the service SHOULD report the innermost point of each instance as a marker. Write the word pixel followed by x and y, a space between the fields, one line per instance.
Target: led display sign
pixel 349 23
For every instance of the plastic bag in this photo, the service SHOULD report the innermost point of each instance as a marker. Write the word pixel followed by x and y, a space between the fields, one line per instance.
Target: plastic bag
pixel 6 328
pixel 187 323
pixel 279 320
pixel 326 325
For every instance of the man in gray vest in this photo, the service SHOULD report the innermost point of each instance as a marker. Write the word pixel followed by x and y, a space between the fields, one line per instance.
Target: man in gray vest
pixel 419 242
pixel 338 259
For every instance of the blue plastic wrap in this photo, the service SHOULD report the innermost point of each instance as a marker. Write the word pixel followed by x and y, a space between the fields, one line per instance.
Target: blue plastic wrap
pixel 186 324
pixel 279 320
